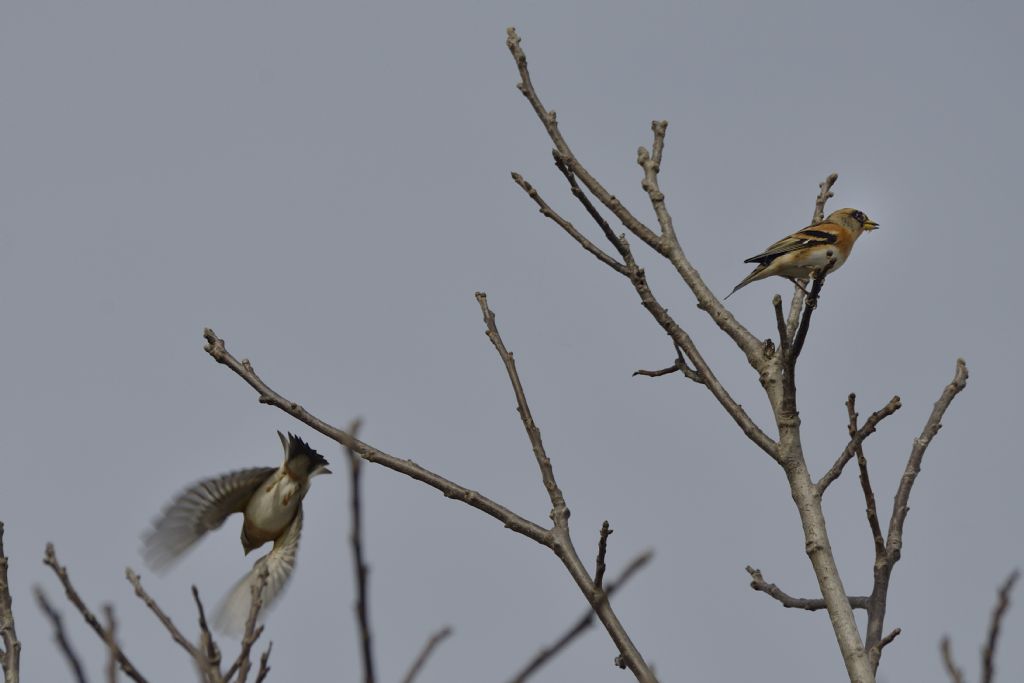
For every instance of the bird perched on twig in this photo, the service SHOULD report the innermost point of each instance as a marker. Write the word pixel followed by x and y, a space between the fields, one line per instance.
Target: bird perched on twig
pixel 798 256
pixel 270 500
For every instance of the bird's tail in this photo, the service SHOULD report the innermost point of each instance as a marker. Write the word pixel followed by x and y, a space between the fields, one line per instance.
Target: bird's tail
pixel 754 275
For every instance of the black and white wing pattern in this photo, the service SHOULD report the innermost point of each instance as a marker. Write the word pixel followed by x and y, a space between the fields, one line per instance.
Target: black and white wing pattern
pixel 279 562
pixel 198 509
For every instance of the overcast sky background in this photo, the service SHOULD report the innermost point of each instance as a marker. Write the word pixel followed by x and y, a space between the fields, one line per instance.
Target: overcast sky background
pixel 326 185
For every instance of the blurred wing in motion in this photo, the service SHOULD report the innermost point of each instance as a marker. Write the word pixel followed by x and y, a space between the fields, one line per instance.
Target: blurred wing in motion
pixel 198 509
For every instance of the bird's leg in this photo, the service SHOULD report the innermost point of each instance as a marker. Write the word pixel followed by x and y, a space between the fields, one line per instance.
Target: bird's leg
pixel 800 285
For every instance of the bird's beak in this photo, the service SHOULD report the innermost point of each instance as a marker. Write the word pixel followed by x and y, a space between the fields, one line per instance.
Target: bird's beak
pixel 870 225
pixel 324 470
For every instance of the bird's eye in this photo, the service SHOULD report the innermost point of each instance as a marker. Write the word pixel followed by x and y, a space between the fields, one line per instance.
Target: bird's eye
pixel 859 215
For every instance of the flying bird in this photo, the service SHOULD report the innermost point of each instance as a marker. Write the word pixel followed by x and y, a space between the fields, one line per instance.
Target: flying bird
pixel 798 256
pixel 270 500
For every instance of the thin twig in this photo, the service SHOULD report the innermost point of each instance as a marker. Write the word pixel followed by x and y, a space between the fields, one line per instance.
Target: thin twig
pixel 585 621
pixel 602 550
pixel 875 650
pixel 424 655
pixel 758 583
pixel 900 508
pixel 651 163
pixel 824 194
pixel 870 425
pixel 658 373
pixel 559 510
pixel 252 632
pixel 955 674
pixel 50 560
pixel 988 653
pixel 871 508
pixel 112 647
pixel 60 637
pixel 550 122
pixel 264 666
pixel 10 656
pixel 358 560
pixel 780 324
pixel 176 635
pixel 679 366
pixel 562 543
pixel 568 227
pixel 210 664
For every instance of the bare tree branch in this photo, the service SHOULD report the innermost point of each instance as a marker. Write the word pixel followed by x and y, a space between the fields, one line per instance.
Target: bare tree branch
pixel 63 644
pixel 988 653
pixel 557 538
pixel 585 621
pixel 424 655
pixel 885 562
pixel 10 656
pixel 50 560
pixel 680 338
pixel 512 521
pixel 550 122
pixel 665 244
pixel 758 583
pixel 856 439
pixel 359 562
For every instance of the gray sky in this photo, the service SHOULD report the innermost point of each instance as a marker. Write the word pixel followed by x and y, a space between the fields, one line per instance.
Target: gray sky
pixel 327 184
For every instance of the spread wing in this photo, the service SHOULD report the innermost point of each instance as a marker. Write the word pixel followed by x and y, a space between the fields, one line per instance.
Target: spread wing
pixel 808 237
pixel 279 563
pixel 198 509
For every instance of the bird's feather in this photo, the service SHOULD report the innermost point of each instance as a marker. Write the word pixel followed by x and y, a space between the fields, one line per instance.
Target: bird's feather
pixel 197 510
pixel 806 238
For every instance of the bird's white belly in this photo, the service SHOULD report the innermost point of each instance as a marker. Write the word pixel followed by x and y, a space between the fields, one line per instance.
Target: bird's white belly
pixel 272 510
pixel 801 265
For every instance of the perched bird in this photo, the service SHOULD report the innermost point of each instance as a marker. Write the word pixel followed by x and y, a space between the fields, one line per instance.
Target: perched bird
pixel 798 256
pixel 270 500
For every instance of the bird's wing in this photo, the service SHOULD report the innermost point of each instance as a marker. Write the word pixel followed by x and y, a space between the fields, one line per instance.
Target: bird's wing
pixel 198 509
pixel 233 611
pixel 806 238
